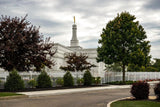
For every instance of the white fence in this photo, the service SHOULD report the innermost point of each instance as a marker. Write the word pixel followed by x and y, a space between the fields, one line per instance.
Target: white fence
pixel 31 75
pixel 105 76
pixel 133 76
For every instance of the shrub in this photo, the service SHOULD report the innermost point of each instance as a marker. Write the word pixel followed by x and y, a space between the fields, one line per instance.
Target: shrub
pixel 32 83
pixel 87 78
pixel 59 81
pixel 80 81
pixel 96 80
pixel 44 81
pixel 68 79
pixel 157 91
pixel 140 90
pixel 14 82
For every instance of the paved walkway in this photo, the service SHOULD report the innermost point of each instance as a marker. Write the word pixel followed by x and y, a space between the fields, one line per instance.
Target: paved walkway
pixel 97 98
pixel 76 90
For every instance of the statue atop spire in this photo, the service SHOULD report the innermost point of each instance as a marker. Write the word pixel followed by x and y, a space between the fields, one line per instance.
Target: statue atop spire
pixel 74 19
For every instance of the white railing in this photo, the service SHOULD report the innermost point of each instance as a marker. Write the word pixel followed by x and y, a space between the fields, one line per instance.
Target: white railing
pixel 133 76
pixel 30 75
pixel 105 76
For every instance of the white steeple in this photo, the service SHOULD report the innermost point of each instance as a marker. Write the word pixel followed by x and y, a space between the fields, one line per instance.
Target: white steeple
pixel 74 41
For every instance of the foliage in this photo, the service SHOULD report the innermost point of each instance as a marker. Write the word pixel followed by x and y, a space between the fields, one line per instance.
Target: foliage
pixel 77 62
pixel 141 103
pixel 87 78
pixel 80 81
pixel 140 90
pixel 123 41
pixel 32 83
pixel 22 46
pixel 96 80
pixel 157 64
pixel 113 67
pixel 151 68
pixel 43 80
pixel 157 91
pixel 14 82
pixel 4 94
pixel 135 67
pixel 59 81
pixel 68 79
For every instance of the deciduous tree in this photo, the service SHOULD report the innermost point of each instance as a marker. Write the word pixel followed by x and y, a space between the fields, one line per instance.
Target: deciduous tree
pixel 77 62
pixel 123 41
pixel 22 46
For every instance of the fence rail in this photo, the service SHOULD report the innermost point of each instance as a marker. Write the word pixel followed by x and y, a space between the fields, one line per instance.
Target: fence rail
pixel 133 76
pixel 105 76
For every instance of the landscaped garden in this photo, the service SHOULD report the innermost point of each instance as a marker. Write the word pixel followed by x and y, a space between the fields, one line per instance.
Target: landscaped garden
pixel 15 83
pixel 136 103
pixel 140 92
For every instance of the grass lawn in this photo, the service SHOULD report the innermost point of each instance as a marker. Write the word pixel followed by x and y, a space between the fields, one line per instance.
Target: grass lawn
pixel 135 104
pixel 3 94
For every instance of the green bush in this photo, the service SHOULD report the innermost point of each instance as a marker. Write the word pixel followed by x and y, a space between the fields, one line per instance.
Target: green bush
pixel 96 80
pixel 59 81
pixel 14 82
pixel 87 78
pixel 80 81
pixel 32 83
pixel 44 81
pixel 68 79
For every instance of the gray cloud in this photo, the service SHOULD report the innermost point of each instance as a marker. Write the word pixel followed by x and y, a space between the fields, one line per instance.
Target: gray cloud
pixel 151 25
pixel 153 4
pixel 54 17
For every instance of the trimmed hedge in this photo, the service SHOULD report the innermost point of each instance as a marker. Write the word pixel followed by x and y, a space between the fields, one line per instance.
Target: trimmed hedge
pixel 14 82
pixel 59 82
pixel 32 83
pixel 157 91
pixel 140 90
pixel 87 78
pixel 43 80
pixel 68 79
pixel 80 81
pixel 96 80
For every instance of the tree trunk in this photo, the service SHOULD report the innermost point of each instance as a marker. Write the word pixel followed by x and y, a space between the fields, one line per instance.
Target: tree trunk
pixel 123 70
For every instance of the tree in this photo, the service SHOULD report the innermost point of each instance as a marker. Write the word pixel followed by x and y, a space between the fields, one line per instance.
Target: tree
pixel 113 67
pixel 123 41
pixel 77 62
pixel 22 46
pixel 156 64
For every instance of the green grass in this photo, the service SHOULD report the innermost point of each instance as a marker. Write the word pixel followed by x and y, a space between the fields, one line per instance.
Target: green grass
pixel 4 94
pixel 135 104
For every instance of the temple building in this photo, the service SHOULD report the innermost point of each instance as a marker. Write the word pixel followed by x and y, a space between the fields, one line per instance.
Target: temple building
pixel 74 47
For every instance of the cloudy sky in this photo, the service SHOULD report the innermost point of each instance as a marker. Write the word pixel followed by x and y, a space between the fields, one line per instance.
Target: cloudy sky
pixel 55 18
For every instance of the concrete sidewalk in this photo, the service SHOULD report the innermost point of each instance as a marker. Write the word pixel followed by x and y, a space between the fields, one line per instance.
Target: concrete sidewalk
pixel 76 90
pixel 65 91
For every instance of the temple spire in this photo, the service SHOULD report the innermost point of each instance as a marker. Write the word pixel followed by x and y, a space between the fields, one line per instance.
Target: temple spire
pixel 74 41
